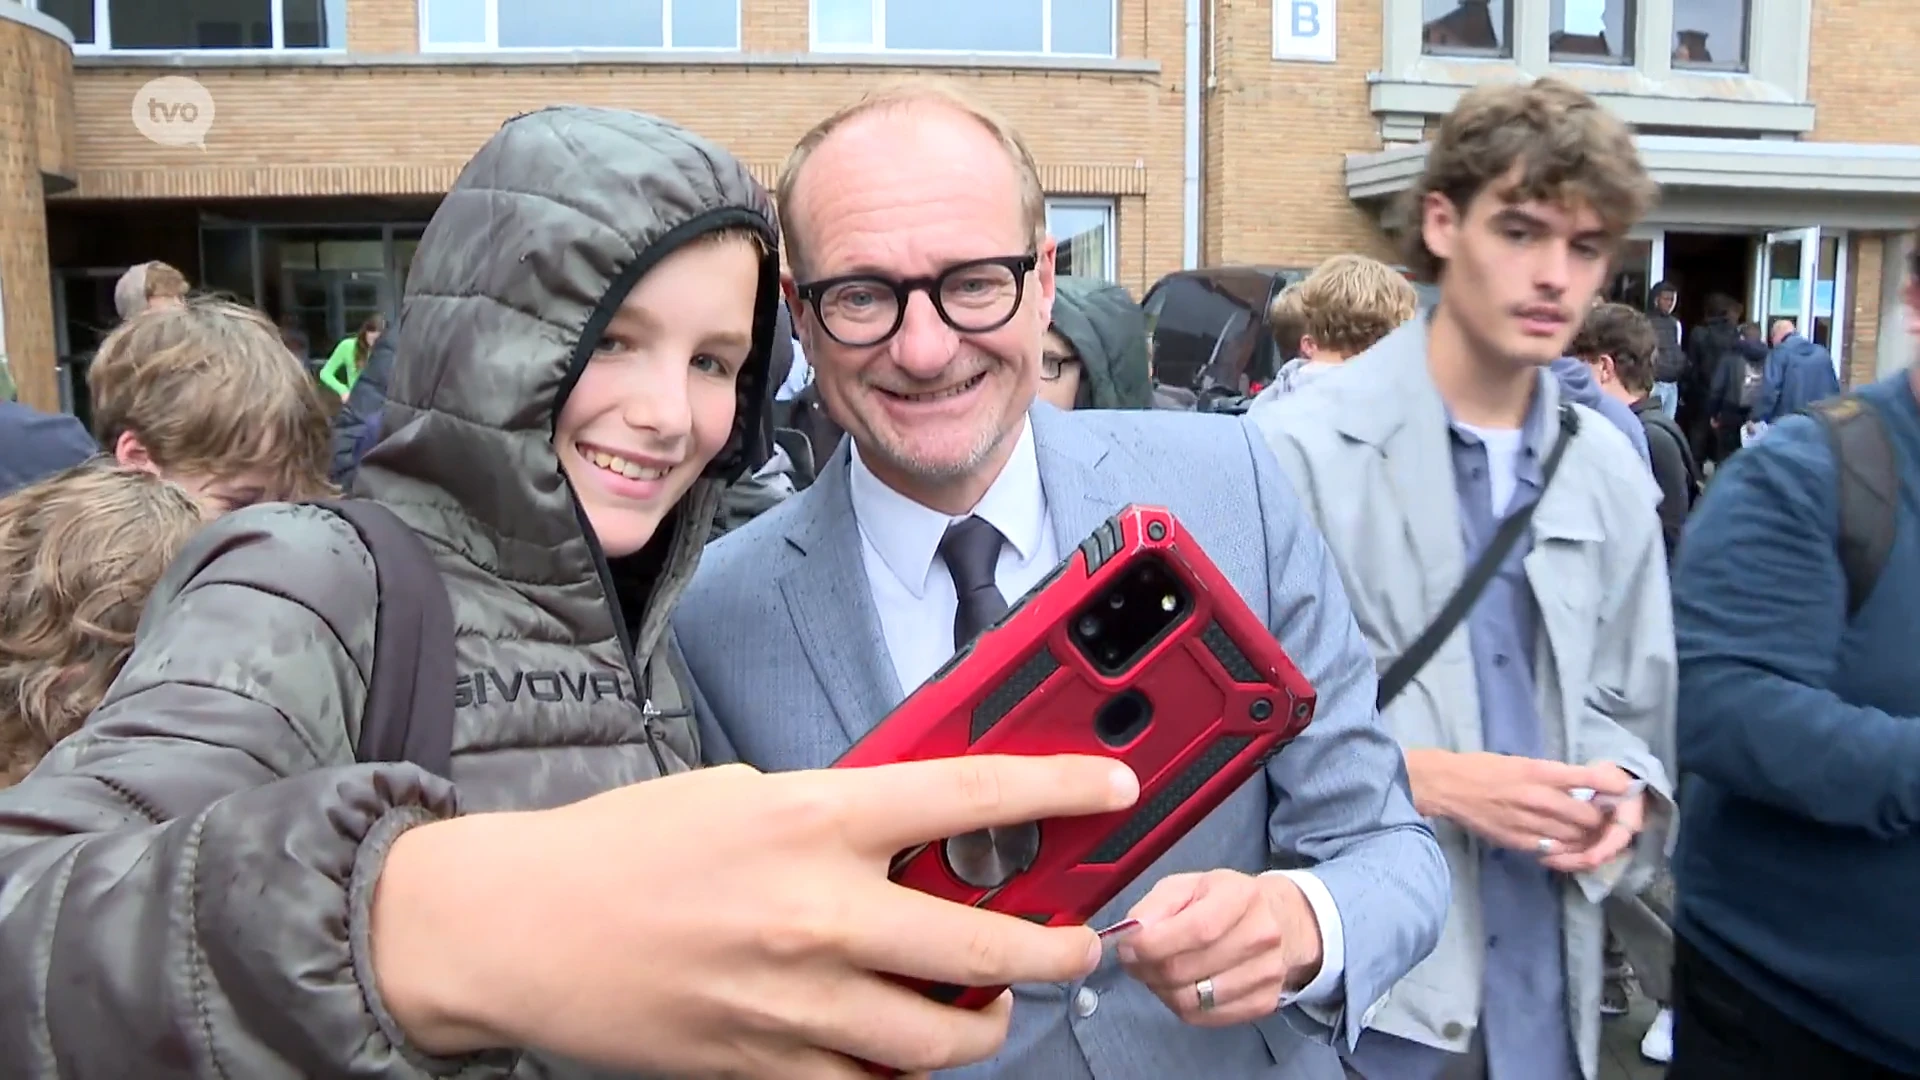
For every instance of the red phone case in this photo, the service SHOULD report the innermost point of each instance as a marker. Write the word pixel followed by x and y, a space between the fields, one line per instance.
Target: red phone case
pixel 1224 698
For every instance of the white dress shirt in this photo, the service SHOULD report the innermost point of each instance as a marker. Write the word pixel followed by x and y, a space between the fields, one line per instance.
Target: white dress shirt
pixel 915 598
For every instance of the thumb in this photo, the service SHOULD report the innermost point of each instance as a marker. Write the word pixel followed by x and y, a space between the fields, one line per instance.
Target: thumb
pixel 1167 898
pixel 1606 778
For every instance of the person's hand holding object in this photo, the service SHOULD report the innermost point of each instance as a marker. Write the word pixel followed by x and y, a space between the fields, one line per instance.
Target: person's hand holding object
pixel 1222 947
pixel 724 922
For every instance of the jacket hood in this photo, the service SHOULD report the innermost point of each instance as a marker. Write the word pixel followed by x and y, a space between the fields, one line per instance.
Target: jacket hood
pixel 518 274
pixel 1109 331
pixel 1576 382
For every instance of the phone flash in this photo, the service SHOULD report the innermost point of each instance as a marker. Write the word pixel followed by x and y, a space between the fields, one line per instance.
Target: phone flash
pixel 1169 602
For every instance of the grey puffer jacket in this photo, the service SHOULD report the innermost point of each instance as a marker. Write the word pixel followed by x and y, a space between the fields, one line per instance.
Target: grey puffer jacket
pixel 185 883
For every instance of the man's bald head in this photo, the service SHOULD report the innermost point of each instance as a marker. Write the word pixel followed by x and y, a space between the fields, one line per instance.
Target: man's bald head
pixel 1779 330
pixel 909 96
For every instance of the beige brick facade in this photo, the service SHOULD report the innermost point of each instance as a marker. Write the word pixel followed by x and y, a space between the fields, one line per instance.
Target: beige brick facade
pixel 386 119
pixel 36 154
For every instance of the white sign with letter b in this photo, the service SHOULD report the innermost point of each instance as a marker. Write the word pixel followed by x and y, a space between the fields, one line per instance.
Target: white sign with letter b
pixel 1304 30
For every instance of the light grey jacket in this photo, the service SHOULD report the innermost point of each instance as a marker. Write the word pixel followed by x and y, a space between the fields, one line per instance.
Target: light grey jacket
pixel 1366 447
pixel 781 635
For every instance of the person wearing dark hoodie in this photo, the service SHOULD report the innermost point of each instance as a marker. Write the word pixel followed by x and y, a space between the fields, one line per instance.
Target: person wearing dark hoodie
pixel 1095 353
pixel 1718 351
pixel 1670 363
pixel 769 476
pixel 203 881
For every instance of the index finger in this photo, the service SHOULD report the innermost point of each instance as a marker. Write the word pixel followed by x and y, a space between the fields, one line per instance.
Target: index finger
pixel 892 807
pixel 1600 778
pixel 1606 778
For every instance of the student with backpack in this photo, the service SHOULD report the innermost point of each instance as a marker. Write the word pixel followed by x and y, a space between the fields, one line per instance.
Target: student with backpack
pixel 367 798
pixel 1738 376
pixel 1619 345
pixel 1799 728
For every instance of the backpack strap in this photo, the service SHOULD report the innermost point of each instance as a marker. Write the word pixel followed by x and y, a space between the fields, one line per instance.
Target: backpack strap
pixel 1869 490
pixel 409 709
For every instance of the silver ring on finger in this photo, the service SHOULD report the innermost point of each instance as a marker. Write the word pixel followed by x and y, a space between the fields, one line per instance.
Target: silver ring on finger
pixel 1545 845
pixel 1204 991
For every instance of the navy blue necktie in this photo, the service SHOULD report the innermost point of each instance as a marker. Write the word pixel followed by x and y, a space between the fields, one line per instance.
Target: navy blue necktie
pixel 971 550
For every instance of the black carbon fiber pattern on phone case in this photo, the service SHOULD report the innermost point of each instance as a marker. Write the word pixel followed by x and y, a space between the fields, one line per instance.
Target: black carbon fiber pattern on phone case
pixel 1231 658
pixel 1148 815
pixel 1025 680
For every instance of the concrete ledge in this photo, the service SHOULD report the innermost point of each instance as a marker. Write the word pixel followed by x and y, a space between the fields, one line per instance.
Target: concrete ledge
pixel 25 16
pixel 574 58
pixel 1741 104
pixel 186 181
pixel 1880 181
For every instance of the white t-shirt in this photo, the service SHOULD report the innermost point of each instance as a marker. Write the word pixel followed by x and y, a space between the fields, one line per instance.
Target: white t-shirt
pixel 1503 457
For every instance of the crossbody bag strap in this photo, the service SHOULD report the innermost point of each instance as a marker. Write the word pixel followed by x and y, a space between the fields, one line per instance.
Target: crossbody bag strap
pixel 1512 527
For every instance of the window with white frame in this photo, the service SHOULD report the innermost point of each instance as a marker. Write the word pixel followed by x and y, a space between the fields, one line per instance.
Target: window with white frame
pixel 453 25
pixel 1041 27
pixel 131 25
pixel 1083 236
pixel 1711 34
pixel 1592 31
pixel 1466 27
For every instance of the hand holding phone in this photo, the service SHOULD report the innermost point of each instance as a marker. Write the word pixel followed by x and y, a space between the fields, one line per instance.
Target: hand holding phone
pixel 1136 648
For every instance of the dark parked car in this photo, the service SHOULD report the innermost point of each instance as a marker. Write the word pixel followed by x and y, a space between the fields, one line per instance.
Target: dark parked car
pixel 1209 327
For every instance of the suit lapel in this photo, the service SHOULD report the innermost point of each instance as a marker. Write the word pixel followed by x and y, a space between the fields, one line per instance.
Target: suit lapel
pixel 831 605
pixel 1080 495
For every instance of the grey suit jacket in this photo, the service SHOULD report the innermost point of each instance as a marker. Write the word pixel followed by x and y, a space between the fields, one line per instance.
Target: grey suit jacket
pixel 780 634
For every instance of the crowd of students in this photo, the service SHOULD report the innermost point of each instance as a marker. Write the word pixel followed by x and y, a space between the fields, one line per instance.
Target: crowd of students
pixel 615 848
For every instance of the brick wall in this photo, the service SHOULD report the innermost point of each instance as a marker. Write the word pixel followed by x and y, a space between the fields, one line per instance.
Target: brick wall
pixel 382 27
pixel 1863 308
pixel 1276 133
pixel 1278 137
pixel 35 141
pixel 406 127
pixel 1861 74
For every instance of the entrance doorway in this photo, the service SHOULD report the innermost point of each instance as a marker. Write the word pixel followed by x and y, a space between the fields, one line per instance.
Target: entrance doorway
pixel 1800 274
pixel 1702 264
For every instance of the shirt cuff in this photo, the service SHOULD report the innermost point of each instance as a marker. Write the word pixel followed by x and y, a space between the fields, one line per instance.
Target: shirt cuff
pixel 1323 998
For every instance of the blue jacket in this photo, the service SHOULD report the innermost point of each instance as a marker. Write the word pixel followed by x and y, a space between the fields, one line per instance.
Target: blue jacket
pixel 35 445
pixel 1799 736
pixel 1577 383
pixel 1799 373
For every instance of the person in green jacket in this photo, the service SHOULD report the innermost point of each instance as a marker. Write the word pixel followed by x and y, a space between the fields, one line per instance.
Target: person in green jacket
pixel 350 356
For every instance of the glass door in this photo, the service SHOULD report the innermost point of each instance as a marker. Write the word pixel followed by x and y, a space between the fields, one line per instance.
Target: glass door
pixel 1802 275
pixel 1786 278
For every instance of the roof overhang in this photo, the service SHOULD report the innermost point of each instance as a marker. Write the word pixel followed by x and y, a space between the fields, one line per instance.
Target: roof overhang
pixel 1779 181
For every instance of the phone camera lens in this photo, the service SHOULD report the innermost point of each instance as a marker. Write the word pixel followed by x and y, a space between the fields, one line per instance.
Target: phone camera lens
pixel 1089 627
pixel 1116 601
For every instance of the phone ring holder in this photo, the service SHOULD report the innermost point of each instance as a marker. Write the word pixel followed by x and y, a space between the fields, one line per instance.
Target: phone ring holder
pixel 989 858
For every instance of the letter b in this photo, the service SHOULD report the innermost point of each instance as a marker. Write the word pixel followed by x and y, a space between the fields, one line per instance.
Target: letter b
pixel 1306 18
